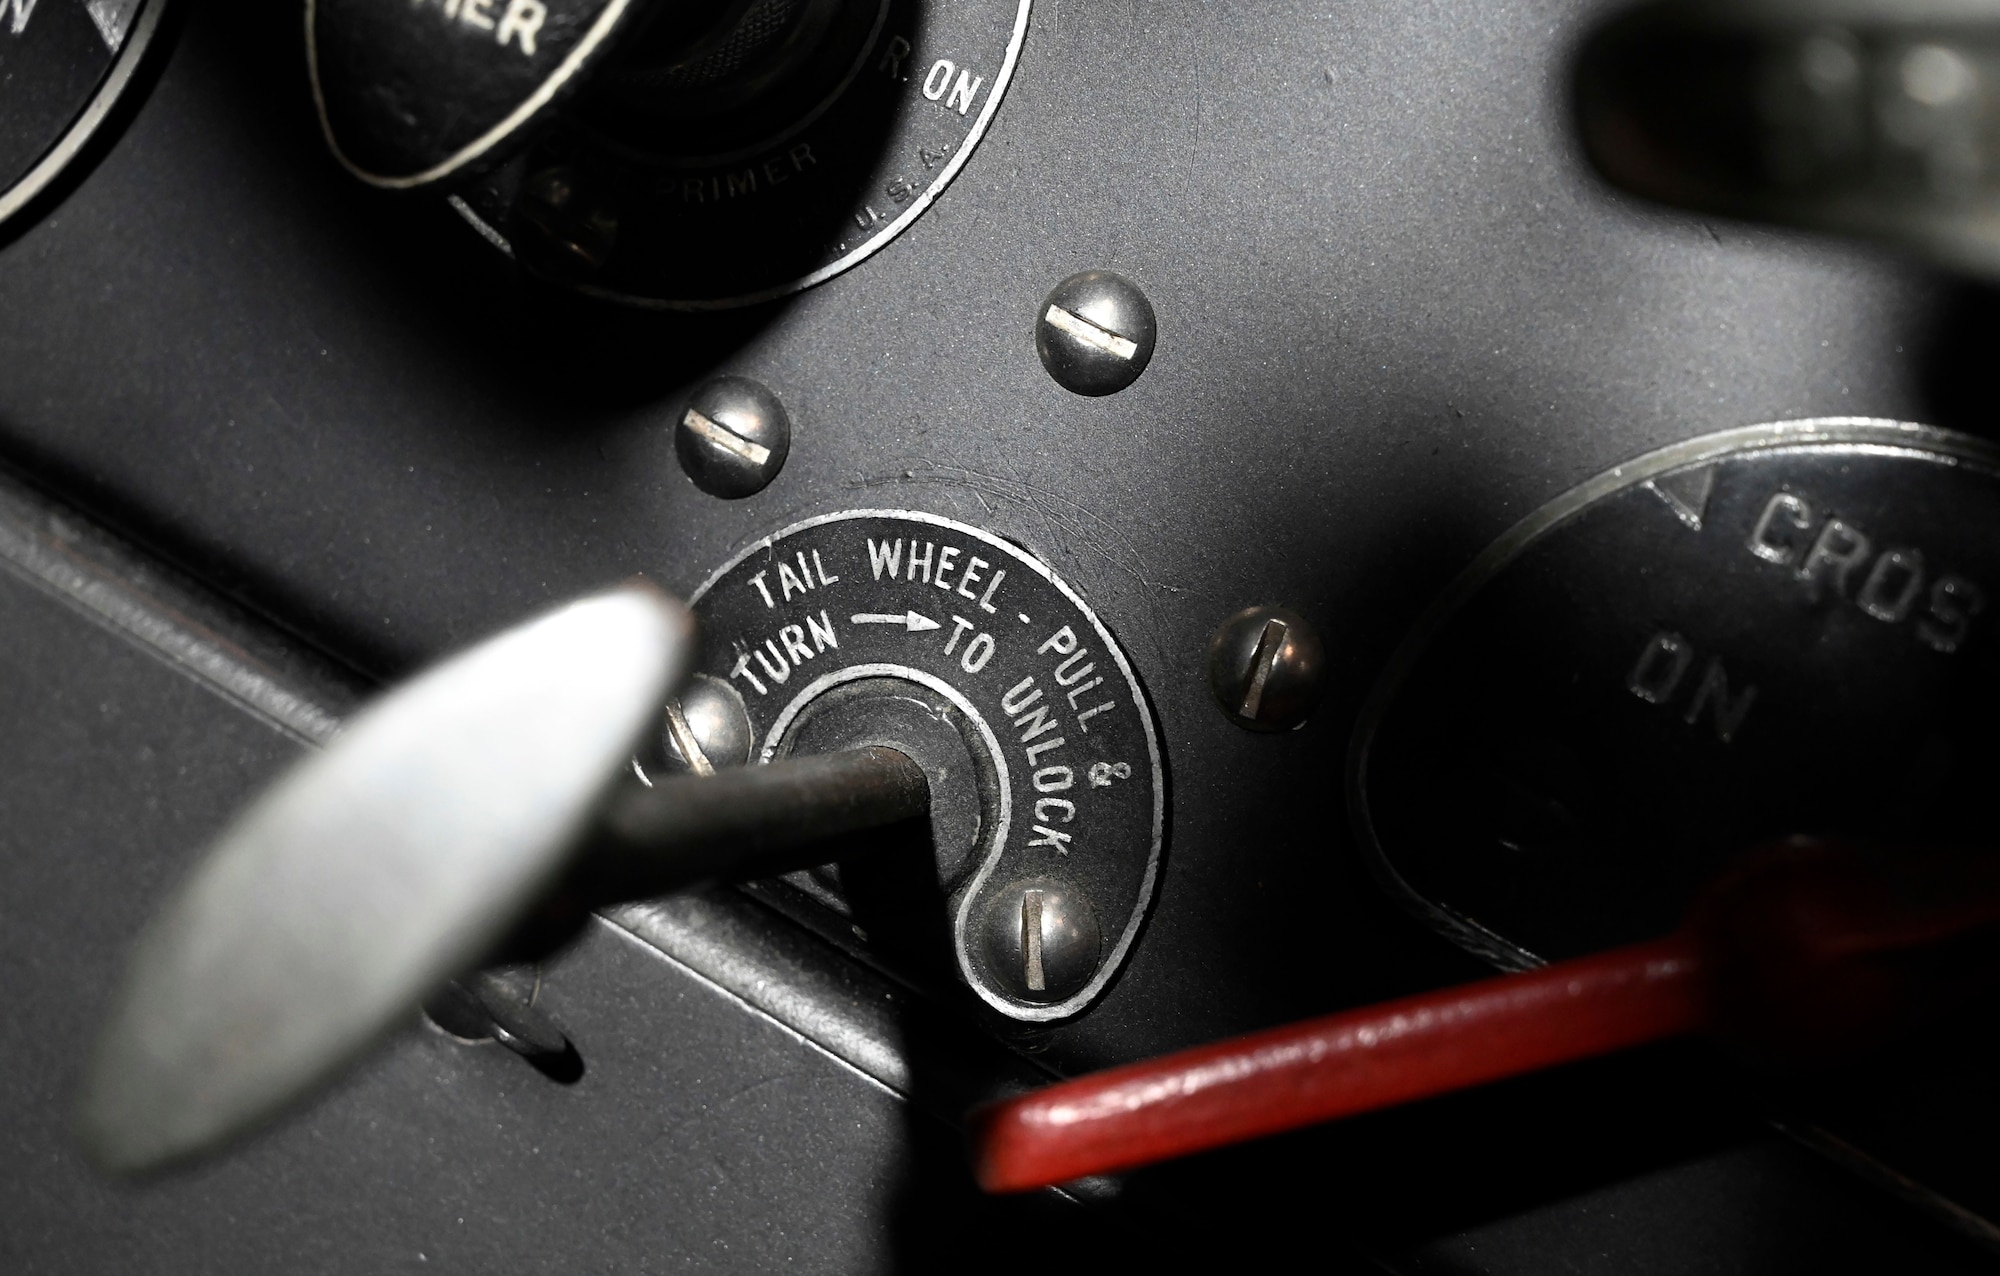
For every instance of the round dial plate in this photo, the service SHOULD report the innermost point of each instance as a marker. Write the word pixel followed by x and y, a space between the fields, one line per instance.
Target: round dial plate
pixel 63 65
pixel 1784 629
pixel 1013 658
pixel 720 220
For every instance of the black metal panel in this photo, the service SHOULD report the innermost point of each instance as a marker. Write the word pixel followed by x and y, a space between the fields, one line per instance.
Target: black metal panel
pixel 1395 314
pixel 748 1099
pixel 701 1134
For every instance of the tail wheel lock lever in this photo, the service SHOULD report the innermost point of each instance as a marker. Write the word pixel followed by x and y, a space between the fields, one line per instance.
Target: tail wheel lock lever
pixel 480 805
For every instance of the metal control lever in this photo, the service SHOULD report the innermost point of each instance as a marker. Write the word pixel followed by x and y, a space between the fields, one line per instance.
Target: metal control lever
pixel 425 834
pixel 1802 952
pixel 1876 118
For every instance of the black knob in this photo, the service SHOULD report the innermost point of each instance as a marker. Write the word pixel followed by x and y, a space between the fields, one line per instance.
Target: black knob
pixel 677 154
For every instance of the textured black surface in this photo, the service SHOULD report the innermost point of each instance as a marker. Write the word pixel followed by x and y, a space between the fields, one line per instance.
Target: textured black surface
pixel 1395 314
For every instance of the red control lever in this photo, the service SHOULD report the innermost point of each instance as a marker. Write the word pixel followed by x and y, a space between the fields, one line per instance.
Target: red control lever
pixel 1803 951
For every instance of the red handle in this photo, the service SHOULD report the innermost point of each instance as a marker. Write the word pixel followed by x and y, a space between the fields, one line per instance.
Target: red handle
pixel 1341 1065
pixel 1803 950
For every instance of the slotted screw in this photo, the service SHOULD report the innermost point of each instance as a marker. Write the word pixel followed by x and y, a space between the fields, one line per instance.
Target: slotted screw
pixel 1042 941
pixel 1267 668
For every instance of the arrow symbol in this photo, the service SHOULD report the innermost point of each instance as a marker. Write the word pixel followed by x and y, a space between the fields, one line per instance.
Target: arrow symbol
pixel 910 620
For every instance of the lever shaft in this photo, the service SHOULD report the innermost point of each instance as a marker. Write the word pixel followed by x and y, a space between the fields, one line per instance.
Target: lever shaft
pixel 747 822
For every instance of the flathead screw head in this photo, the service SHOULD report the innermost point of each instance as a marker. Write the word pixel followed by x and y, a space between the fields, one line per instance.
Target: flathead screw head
pixel 1041 940
pixel 733 437
pixel 1267 668
pixel 1095 333
pixel 707 728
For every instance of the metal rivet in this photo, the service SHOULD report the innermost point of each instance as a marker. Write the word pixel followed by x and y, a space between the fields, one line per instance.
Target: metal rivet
pixel 1267 668
pixel 732 437
pixel 707 728
pixel 497 1005
pixel 1095 333
pixel 570 232
pixel 1041 940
